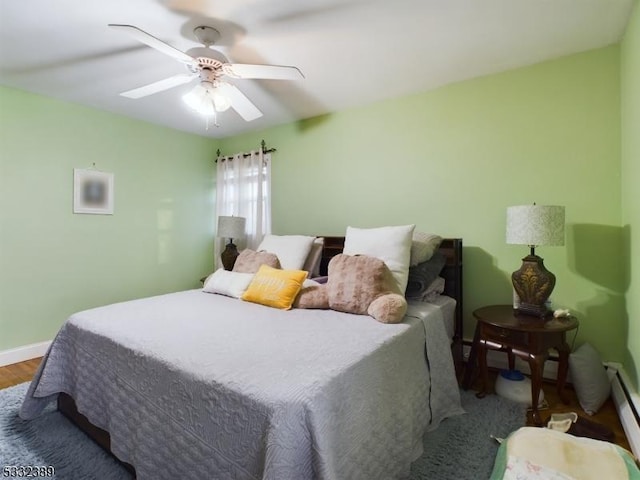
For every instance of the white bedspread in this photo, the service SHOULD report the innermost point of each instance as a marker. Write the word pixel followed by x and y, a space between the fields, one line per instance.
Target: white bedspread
pixel 197 385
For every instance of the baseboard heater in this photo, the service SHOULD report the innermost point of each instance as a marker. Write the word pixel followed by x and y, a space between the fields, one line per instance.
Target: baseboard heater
pixel 627 404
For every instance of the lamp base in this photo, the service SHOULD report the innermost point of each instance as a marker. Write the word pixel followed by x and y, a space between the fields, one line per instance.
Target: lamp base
pixel 533 310
pixel 229 256
pixel 533 283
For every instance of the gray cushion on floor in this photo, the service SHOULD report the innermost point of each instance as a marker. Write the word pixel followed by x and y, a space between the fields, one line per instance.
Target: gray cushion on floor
pixel 589 378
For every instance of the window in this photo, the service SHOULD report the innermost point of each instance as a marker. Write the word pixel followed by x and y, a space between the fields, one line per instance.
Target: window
pixel 243 185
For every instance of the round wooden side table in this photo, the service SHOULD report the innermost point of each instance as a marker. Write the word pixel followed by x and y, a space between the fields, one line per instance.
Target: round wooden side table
pixel 527 337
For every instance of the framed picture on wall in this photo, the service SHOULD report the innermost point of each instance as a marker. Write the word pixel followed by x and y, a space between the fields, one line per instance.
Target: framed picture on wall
pixel 92 192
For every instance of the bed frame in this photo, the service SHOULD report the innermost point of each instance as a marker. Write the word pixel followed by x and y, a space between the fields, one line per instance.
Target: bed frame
pixel 452 273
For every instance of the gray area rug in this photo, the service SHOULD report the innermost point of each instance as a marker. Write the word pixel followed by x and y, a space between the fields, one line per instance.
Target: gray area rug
pixel 51 439
pixel 460 448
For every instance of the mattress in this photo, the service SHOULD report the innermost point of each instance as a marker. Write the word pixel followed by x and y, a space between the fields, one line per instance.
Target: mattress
pixel 443 303
pixel 197 385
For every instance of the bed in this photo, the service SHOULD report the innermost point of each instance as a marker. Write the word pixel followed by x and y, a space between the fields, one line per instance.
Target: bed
pixel 195 385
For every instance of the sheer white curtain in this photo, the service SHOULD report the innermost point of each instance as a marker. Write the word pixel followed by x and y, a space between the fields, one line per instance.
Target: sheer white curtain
pixel 243 189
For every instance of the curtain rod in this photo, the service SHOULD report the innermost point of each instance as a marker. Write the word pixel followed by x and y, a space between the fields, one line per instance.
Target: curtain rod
pixel 263 146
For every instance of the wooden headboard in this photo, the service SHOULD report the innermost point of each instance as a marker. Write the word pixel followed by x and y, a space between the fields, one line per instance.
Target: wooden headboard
pixel 452 273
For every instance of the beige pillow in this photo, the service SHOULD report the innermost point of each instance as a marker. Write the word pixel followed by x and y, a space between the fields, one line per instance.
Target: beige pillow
pixel 364 285
pixel 423 246
pixel 388 308
pixel 249 261
pixel 312 297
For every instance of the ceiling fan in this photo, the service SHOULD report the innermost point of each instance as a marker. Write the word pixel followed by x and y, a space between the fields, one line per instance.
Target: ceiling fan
pixel 212 94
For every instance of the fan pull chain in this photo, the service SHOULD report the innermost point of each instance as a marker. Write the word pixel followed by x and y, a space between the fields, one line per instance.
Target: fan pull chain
pixel 215 117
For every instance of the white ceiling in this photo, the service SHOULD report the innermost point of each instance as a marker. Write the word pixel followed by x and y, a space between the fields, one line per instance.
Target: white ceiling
pixel 352 52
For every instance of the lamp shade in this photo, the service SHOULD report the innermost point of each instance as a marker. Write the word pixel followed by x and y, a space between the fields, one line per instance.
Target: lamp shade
pixel 231 227
pixel 535 225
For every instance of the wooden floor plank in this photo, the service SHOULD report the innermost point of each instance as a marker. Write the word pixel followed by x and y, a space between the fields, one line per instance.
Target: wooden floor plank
pixel 8 378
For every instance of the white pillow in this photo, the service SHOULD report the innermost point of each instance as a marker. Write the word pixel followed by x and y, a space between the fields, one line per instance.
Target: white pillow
pixel 291 250
pixel 392 245
pixel 225 282
pixel 423 246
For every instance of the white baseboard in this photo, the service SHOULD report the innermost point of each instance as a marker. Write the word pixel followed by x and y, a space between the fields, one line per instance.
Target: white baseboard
pixel 627 403
pixel 26 352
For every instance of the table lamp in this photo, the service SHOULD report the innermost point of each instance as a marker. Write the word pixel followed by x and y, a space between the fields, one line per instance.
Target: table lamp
pixel 534 225
pixel 230 227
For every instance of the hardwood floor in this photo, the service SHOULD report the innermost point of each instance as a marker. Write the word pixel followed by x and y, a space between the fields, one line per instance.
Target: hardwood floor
pixel 24 371
pixel 18 372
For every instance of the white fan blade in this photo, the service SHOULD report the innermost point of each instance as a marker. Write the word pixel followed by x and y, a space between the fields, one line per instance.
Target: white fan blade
pixel 159 86
pixel 240 103
pixel 153 42
pixel 269 72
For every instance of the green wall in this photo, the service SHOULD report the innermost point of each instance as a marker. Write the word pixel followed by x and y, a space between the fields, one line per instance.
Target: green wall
pixel 449 160
pixel 452 160
pixel 630 90
pixel 52 262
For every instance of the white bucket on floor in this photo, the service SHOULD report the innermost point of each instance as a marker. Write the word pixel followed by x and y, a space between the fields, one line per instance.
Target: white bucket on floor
pixel 513 385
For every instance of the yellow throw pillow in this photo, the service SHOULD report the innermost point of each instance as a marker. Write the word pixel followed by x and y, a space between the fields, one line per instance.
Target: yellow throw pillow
pixel 274 287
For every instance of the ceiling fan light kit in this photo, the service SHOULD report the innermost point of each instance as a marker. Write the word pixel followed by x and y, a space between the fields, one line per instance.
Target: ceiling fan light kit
pixel 212 95
pixel 206 99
